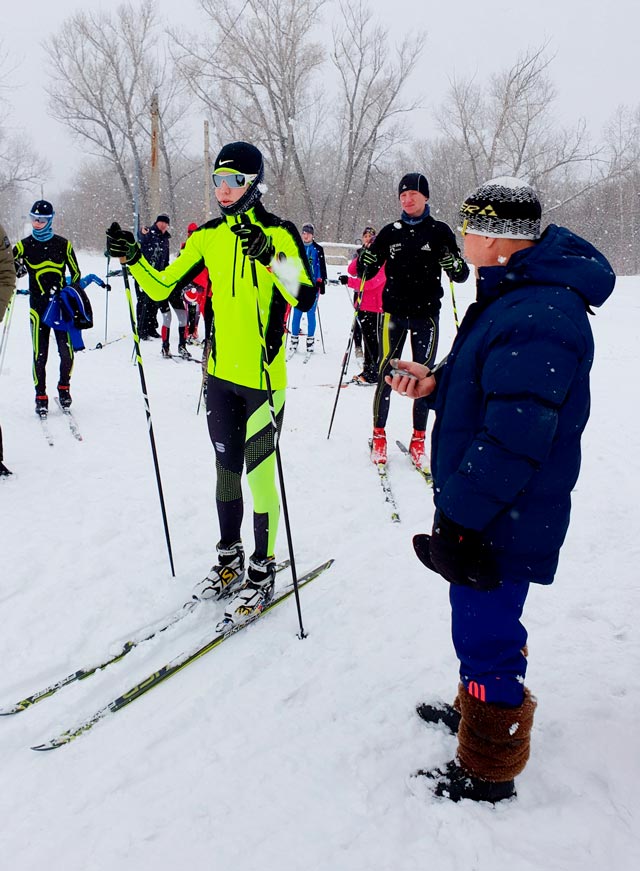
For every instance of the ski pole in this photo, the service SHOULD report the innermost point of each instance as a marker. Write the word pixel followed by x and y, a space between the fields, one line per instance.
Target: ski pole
pixel 453 300
pixel 276 444
pixel 201 392
pixel 5 331
pixel 106 309
pixel 287 326
pixel 324 350
pixel 138 353
pixel 206 350
pixel 347 353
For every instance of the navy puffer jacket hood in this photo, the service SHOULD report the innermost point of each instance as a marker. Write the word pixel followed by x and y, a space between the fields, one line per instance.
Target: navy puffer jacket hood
pixel 513 400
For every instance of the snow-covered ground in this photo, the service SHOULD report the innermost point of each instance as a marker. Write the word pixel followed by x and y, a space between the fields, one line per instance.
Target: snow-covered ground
pixel 272 752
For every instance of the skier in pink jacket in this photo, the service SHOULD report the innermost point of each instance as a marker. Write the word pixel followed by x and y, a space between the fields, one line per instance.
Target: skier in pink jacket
pixel 369 311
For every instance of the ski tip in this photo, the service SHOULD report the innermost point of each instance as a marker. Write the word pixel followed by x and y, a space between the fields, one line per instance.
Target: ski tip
pixel 7 712
pixel 48 745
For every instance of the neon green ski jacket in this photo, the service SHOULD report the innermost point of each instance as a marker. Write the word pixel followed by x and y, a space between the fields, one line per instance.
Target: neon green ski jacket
pixel 238 352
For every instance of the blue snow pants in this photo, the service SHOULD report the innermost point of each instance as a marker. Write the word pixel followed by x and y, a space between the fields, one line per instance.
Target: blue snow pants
pixel 489 638
pixel 296 317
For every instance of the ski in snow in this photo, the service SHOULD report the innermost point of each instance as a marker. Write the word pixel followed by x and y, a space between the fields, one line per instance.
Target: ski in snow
pixel 46 432
pixel 383 476
pixel 139 637
pixel 425 474
pixel 73 423
pixel 385 483
pixel 176 665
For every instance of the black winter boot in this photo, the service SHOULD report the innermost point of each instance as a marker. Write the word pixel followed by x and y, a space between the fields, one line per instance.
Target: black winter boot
pixel 455 783
pixel 64 395
pixel 440 714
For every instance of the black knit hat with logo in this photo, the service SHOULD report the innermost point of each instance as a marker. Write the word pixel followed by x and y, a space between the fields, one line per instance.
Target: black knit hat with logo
pixel 502 207
pixel 244 158
pixel 414 181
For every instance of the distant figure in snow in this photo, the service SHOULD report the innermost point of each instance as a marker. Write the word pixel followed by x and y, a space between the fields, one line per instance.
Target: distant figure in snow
pixel 45 257
pixel 318 270
pixel 414 250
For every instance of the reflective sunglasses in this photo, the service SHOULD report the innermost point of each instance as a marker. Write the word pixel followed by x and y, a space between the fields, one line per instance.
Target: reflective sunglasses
pixel 233 179
pixel 39 219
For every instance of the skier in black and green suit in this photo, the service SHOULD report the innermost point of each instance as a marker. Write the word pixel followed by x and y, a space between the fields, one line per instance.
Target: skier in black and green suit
pixel 45 257
pixel 257 265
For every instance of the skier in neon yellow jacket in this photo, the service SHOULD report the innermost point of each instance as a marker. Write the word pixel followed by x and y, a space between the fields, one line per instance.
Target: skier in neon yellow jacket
pixel 257 265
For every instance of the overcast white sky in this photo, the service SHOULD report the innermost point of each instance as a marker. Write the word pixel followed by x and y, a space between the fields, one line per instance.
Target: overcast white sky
pixel 595 43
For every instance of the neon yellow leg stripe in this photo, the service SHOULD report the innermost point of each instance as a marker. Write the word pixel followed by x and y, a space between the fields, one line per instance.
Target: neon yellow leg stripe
pixel 262 478
pixel 34 317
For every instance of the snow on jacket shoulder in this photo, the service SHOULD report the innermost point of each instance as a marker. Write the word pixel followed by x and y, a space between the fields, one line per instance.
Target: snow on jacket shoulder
pixel 513 400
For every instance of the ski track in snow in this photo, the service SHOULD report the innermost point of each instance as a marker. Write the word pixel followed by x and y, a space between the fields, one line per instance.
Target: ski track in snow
pixel 272 752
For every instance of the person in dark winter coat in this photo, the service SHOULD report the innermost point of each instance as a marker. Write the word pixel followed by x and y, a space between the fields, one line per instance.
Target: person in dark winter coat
pixel 414 251
pixel 7 287
pixel 511 402
pixel 46 257
pixel 154 242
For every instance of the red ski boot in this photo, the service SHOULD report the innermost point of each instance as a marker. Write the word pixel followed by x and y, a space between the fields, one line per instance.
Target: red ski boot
pixel 416 447
pixel 379 446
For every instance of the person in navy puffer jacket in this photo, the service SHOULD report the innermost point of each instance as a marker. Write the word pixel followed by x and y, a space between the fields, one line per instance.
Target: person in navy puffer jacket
pixel 511 401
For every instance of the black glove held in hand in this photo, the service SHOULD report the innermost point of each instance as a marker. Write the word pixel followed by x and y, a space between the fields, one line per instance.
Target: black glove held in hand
pixel 343 279
pixel 450 264
pixel 255 243
pixel 121 243
pixel 460 555
pixel 367 263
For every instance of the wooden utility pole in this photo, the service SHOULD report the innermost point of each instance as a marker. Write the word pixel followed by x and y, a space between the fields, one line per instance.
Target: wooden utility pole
pixel 154 179
pixel 207 174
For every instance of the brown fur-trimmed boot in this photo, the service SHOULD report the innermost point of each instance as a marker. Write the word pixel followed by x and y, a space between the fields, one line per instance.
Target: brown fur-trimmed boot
pixel 493 748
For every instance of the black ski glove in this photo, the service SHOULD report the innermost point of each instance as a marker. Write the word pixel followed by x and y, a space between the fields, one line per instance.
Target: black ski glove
pixel 367 263
pixel 460 555
pixel 343 279
pixel 255 243
pixel 451 265
pixel 121 243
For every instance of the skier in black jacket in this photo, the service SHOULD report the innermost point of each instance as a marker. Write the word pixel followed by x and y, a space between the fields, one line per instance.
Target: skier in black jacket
pixel 414 251
pixel 154 241
pixel 45 257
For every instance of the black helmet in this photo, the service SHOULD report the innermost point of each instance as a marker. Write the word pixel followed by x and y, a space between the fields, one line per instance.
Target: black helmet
pixel 42 209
